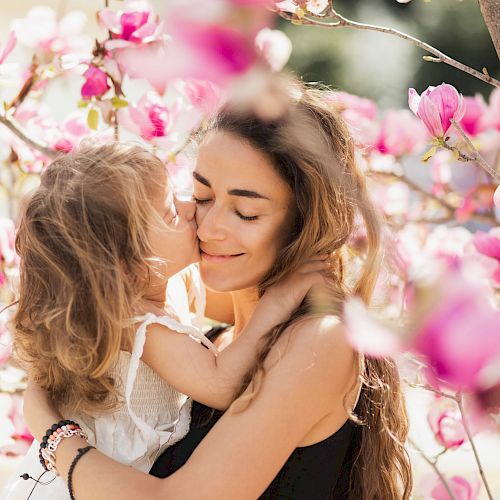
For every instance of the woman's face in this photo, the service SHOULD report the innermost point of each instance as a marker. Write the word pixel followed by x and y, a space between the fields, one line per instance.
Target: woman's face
pixel 172 235
pixel 243 212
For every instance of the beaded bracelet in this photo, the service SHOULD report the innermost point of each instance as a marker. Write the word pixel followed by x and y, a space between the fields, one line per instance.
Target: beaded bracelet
pixel 79 454
pixel 52 438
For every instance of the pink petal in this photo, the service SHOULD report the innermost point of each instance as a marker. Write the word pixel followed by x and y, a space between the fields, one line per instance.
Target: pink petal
pixel 366 335
pixel 413 100
pixel 428 112
pixel 110 19
pixel 496 197
pixel 487 245
pixel 9 46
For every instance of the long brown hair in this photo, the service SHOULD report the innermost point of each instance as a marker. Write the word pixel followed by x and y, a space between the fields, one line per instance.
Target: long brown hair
pixel 84 253
pixel 312 150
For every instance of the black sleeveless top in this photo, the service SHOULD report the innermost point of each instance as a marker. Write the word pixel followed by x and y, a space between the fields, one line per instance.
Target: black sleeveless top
pixel 317 472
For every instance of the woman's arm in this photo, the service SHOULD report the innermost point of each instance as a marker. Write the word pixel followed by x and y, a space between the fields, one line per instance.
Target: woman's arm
pixel 244 451
pixel 195 371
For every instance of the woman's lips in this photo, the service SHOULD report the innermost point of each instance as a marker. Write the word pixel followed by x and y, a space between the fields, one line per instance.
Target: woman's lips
pixel 218 258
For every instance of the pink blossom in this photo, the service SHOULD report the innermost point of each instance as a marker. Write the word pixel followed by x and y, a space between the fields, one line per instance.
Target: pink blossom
pixel 96 83
pixel 209 41
pixel 5 341
pixel 41 30
pixel 9 46
pixel 21 434
pixel 202 94
pixel 274 46
pixel 491 116
pixel 460 487
pixel 436 107
pixel 400 134
pixel 488 244
pixel 446 423
pixel 472 121
pixel 360 115
pixel 313 6
pixel 460 334
pixel 133 25
pixel 477 198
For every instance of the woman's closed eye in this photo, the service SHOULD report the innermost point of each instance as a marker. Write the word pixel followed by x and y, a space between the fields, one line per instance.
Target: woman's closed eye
pixel 204 201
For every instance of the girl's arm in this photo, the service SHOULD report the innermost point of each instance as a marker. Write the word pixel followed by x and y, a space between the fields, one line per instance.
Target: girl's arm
pixel 195 371
pixel 309 372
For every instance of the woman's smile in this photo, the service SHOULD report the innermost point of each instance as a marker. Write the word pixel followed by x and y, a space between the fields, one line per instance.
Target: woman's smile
pixel 218 257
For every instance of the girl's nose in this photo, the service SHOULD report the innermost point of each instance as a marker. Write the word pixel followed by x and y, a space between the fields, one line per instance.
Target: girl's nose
pixel 187 208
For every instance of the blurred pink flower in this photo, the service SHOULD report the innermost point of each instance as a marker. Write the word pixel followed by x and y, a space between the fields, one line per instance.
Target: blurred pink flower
pixel 41 30
pixel 5 341
pixel 436 107
pixel 445 422
pixel 360 115
pixel 203 95
pixel 460 487
pixel 313 6
pixel 472 121
pixel 460 334
pixel 400 134
pixel 21 435
pixel 9 46
pixel 491 116
pixel 96 83
pixel 477 198
pixel 489 244
pixel 203 40
pixel 274 46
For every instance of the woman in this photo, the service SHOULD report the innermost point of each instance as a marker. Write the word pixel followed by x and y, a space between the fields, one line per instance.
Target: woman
pixel 269 194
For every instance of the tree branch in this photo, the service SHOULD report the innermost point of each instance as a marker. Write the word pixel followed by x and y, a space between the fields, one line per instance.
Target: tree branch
pixel 474 449
pixel 339 21
pixel 490 9
pixel 33 143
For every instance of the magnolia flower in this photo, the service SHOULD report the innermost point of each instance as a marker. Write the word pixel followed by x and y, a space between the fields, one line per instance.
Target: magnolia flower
pixel 446 423
pixel 472 121
pixel 133 25
pixel 400 133
pixel 202 94
pixel 491 116
pixel 488 244
pixel 21 434
pixel 274 46
pixel 436 107
pixel 297 6
pixel 5 341
pixel 41 30
pixel 460 487
pixel 96 83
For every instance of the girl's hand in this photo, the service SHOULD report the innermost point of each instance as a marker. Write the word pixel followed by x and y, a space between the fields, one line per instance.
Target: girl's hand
pixel 280 300
pixel 38 410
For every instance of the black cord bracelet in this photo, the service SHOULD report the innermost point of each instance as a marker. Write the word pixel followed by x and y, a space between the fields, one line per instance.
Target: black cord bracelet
pixel 80 453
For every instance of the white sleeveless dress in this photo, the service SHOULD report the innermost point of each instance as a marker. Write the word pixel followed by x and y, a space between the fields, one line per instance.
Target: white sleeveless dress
pixel 153 416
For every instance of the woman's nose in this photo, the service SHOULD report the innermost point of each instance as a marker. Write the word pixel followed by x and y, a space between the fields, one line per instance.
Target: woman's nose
pixel 186 208
pixel 210 224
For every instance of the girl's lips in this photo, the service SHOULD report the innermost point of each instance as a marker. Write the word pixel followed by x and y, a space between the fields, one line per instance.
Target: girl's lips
pixel 218 258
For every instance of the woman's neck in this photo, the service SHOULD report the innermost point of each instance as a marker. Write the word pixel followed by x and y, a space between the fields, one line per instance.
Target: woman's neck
pixel 244 303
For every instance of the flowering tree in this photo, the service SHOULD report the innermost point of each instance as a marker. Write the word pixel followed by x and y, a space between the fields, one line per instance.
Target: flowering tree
pixel 438 297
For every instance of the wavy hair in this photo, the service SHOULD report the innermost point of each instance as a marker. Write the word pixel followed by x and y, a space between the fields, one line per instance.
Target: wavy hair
pixel 312 150
pixel 84 255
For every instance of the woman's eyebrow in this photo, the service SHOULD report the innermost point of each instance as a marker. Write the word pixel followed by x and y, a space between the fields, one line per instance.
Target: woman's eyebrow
pixel 233 192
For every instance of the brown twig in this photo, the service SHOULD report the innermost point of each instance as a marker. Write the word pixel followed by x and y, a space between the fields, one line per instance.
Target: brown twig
pixel 477 156
pixel 19 132
pixel 474 449
pixel 340 21
pixel 433 464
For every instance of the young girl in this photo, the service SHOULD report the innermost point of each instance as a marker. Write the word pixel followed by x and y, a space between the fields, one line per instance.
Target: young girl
pixel 97 325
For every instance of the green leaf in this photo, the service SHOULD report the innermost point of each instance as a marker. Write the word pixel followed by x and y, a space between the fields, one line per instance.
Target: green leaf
pixel 117 102
pixel 427 156
pixel 93 119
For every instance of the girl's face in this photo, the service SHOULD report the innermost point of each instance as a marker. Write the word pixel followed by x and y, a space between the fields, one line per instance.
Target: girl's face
pixel 172 235
pixel 242 212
